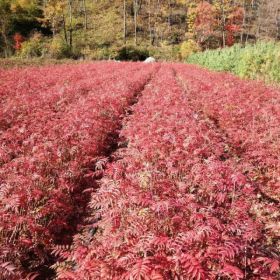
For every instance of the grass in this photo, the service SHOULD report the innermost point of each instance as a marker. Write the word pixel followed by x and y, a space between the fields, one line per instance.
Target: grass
pixel 6 63
pixel 258 61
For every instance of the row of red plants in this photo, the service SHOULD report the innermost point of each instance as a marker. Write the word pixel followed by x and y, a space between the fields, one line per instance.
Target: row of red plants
pixel 248 113
pixel 26 90
pixel 56 125
pixel 173 205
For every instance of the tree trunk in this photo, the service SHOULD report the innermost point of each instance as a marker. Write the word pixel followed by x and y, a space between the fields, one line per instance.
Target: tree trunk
pixel 124 22
pixel 5 39
pixel 85 15
pixel 6 48
pixel 169 14
pixel 223 23
pixel 53 26
pixel 243 22
pixel 149 23
pixel 135 21
pixel 65 30
pixel 71 24
pixel 187 16
pixel 157 16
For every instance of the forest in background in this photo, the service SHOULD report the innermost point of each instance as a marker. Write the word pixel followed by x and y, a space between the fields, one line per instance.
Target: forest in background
pixel 129 29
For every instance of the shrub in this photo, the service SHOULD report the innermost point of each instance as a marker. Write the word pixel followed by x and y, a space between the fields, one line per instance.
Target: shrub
pixel 99 53
pixel 165 52
pixel 59 49
pixel 132 53
pixel 18 40
pixel 175 204
pixel 187 48
pixel 259 61
pixel 63 120
pixel 34 47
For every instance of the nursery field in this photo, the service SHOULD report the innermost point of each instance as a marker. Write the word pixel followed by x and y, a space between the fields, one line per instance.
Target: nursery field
pixel 136 171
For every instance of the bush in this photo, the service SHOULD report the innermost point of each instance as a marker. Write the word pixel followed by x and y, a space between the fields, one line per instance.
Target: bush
pixel 99 53
pixel 258 61
pixel 34 47
pixel 132 53
pixel 187 48
pixel 59 49
pixel 39 46
pixel 165 52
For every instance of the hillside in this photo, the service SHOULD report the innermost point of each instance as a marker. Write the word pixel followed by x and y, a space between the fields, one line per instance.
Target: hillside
pixel 104 29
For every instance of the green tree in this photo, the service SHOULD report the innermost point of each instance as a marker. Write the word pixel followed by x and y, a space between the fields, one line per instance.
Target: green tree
pixel 5 25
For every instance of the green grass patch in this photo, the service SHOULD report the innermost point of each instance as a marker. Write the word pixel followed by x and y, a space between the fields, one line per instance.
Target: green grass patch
pixel 258 61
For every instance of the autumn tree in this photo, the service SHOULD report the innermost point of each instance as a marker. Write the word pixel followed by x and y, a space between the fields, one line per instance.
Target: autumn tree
pixel 54 15
pixel 5 21
pixel 17 16
pixel 204 23
pixel 229 16
pixel 104 25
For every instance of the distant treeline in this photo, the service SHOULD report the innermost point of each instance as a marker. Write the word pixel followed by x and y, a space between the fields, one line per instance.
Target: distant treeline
pixel 128 29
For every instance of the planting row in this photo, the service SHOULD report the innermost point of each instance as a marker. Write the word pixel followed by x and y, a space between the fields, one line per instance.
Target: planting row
pixel 53 136
pixel 248 114
pixel 172 205
pixel 21 90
